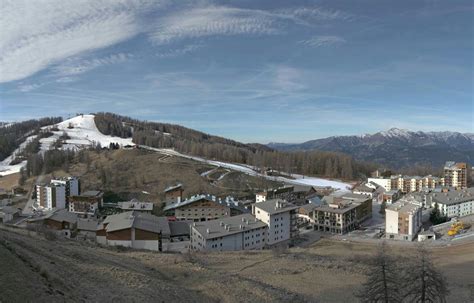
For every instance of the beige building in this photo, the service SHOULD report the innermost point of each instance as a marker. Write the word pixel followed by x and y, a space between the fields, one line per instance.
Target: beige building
pixel 203 208
pixel 342 214
pixel 407 184
pixel 402 221
pixel 455 174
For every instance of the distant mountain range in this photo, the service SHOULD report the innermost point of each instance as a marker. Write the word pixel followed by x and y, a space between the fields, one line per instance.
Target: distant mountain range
pixel 396 148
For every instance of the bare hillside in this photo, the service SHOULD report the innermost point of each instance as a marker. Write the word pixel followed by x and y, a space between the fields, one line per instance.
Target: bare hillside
pixel 328 271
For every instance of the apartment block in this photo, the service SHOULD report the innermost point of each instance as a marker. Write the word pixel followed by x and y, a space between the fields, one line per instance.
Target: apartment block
pixel 280 217
pixel 71 185
pixel 402 221
pixel 51 196
pixel 456 203
pixel 243 232
pixel 455 174
pixel 342 214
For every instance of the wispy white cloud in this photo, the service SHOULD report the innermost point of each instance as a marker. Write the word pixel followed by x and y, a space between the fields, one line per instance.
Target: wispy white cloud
pixel 24 88
pixel 36 35
pixel 323 41
pixel 174 52
pixel 76 67
pixel 209 21
pixel 221 20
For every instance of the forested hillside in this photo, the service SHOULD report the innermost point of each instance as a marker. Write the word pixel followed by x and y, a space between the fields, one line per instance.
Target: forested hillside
pixel 189 141
pixel 12 135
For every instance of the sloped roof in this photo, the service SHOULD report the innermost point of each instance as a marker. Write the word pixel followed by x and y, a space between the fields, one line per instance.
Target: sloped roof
pixel 138 220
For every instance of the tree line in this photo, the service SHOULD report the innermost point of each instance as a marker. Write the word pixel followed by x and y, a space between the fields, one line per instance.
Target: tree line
pixel 12 135
pixel 189 141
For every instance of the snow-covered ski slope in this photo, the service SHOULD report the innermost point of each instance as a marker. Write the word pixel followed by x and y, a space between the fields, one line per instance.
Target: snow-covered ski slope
pixel 83 133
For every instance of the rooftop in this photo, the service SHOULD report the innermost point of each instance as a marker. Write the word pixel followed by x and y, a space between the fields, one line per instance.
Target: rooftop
pixel 135 205
pixel 275 206
pixel 92 193
pixel 173 187
pixel 454 196
pixel 138 220
pixel 227 226
pixel 403 207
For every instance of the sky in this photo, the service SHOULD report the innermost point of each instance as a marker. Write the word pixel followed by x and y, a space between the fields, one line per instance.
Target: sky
pixel 249 70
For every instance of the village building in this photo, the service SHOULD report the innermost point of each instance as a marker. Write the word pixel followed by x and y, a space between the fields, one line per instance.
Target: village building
pixel 456 203
pixel 391 196
pixel 204 208
pixel 364 190
pixel 135 205
pixel 51 196
pixel 87 203
pixel 60 221
pixel 455 174
pixel 281 218
pixel 243 232
pixel 402 221
pixel 174 194
pixel 135 230
pixel 71 184
pixel 342 214
pixel 9 214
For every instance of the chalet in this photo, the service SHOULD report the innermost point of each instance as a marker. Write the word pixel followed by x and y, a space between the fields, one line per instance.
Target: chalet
pixel 174 194
pixel 61 221
pixel 204 208
pixel 87 203
pixel 135 230
pixel 86 229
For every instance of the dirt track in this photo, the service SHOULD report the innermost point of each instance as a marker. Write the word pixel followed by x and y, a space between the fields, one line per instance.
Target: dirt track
pixel 34 269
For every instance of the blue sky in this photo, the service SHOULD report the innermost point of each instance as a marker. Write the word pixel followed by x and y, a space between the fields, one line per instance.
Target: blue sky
pixel 254 71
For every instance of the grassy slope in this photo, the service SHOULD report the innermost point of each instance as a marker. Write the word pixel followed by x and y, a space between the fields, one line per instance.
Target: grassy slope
pixel 327 271
pixel 133 171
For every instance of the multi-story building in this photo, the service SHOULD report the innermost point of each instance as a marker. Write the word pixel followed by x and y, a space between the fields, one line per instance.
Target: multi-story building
pixel 402 221
pixel 71 185
pixel 281 218
pixel 243 232
pixel 455 174
pixel 364 190
pixel 174 194
pixel 386 183
pixel 204 208
pixel 407 184
pixel 87 203
pixel 51 196
pixel 261 197
pixel 456 203
pixel 342 214
pixel 391 196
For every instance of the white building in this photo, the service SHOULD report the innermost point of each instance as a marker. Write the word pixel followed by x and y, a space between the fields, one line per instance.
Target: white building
pixel 243 232
pixel 457 203
pixel 402 221
pixel 281 218
pixel 261 197
pixel 51 196
pixel 70 183
pixel 384 182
